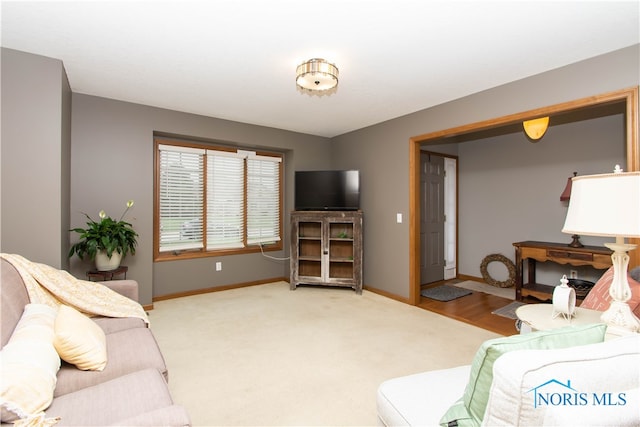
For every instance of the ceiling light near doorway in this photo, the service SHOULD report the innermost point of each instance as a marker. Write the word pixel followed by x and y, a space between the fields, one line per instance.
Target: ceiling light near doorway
pixel 317 75
pixel 536 128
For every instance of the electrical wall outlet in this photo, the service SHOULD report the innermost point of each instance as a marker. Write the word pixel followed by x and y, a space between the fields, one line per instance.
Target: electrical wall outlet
pixel 218 266
pixel 573 274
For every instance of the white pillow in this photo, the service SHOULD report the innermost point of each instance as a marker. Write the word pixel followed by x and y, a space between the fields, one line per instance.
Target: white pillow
pixel 79 340
pixel 595 384
pixel 29 364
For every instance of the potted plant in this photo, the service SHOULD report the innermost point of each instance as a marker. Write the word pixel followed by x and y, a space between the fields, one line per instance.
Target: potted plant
pixel 106 241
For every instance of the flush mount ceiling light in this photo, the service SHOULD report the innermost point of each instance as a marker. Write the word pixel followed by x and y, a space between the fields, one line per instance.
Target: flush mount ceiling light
pixel 536 128
pixel 316 75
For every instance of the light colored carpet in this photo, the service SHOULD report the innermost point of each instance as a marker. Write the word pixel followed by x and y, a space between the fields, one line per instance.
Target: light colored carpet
pixel 508 293
pixel 265 355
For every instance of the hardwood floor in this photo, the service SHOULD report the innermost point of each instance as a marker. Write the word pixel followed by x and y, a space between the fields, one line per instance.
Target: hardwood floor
pixel 474 309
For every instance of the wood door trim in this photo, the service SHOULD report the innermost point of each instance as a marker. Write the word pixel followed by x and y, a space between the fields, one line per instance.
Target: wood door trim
pixel 629 96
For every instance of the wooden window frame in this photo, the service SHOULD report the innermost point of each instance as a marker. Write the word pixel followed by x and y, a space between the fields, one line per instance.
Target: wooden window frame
pixel 203 252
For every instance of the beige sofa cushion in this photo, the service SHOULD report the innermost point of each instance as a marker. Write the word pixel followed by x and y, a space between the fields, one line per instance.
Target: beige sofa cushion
pixel 79 340
pixel 116 324
pixel 128 351
pixel 138 398
pixel 28 364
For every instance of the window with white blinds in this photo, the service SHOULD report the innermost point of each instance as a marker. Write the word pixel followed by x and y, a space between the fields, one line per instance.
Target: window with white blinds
pixel 263 199
pixel 180 196
pixel 236 194
pixel 225 200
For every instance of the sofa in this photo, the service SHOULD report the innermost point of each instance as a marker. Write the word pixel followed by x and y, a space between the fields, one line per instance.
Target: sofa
pixel 118 378
pixel 566 376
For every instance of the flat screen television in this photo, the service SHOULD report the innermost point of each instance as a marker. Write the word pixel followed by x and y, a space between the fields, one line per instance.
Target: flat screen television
pixel 335 190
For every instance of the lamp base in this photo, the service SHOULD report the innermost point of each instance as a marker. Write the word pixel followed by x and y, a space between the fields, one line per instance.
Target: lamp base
pixel 576 243
pixel 620 319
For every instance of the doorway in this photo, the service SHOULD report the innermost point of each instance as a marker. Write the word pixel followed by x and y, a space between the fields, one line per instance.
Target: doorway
pixel 628 98
pixel 438 217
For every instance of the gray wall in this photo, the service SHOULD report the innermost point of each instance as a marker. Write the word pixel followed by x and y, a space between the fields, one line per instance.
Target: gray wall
pixel 36 138
pixel 510 190
pixel 381 152
pixel 112 162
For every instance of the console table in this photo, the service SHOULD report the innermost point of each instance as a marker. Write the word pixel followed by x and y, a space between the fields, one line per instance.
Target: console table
pixel 560 253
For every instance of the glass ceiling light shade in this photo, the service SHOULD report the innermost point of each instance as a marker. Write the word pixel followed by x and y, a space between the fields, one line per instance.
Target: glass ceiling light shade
pixel 609 205
pixel 536 128
pixel 317 75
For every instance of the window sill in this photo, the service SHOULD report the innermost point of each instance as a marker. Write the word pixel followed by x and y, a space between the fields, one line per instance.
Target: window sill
pixel 192 254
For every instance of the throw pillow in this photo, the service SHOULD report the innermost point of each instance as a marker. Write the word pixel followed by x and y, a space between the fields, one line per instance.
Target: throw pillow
pixel 79 340
pixel 469 410
pixel 28 365
pixel 599 299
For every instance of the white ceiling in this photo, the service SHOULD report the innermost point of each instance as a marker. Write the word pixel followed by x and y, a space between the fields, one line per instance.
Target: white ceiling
pixel 236 59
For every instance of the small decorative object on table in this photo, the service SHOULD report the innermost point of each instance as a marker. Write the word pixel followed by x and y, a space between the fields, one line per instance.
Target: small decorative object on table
pixel 564 300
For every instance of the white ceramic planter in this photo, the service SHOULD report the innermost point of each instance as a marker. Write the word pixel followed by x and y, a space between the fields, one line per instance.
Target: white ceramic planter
pixel 104 263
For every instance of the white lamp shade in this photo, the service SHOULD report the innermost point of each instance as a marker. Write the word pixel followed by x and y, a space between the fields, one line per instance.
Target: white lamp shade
pixel 605 205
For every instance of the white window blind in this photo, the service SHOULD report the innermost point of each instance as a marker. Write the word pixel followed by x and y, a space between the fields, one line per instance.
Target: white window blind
pixel 263 199
pixel 181 185
pixel 211 199
pixel 225 200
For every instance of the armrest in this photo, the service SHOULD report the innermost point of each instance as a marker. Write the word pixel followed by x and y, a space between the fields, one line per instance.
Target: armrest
pixel 127 288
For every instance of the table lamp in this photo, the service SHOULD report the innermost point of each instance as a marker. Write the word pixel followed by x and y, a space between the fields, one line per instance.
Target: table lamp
pixel 609 205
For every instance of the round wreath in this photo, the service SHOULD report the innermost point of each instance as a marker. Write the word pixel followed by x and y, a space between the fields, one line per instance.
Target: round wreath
pixel 507 262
